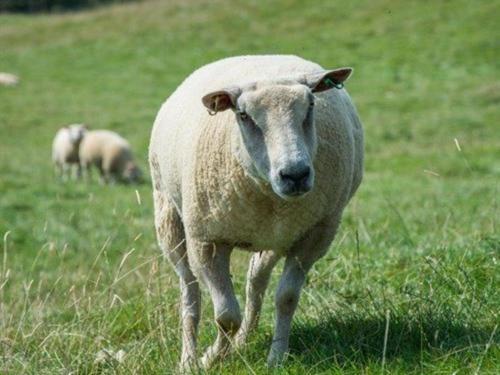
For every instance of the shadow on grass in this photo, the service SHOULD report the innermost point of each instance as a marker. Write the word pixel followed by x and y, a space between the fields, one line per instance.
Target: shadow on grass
pixel 341 342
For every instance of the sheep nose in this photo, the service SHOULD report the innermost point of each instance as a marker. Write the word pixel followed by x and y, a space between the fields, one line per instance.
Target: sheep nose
pixel 297 176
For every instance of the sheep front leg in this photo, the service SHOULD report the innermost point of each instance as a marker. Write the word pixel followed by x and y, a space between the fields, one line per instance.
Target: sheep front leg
pixel 213 268
pixel 191 306
pixel 77 172
pixel 298 262
pixel 58 170
pixel 86 171
pixel 66 172
pixel 259 272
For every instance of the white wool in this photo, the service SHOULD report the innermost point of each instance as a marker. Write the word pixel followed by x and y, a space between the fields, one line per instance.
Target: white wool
pixel 8 79
pixel 65 147
pixel 109 152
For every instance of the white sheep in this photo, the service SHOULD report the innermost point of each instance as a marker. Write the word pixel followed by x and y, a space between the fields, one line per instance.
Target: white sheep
pixel 111 155
pixel 271 176
pixel 8 79
pixel 65 149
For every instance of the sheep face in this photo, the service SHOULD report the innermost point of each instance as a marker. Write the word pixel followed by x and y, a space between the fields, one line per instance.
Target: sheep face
pixel 277 129
pixel 132 173
pixel 76 133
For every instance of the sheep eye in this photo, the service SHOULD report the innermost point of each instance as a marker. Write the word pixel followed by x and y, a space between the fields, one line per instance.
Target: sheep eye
pixel 243 115
pixel 311 104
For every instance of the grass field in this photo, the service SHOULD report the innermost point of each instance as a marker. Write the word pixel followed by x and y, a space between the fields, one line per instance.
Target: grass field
pixel 411 283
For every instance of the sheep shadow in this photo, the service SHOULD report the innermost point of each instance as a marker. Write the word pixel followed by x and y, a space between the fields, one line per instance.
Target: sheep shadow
pixel 342 341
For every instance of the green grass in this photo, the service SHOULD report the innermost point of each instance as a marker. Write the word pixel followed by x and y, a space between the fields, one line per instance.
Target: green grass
pixel 419 247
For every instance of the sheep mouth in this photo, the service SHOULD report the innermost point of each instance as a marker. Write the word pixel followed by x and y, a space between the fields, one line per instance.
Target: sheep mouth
pixel 292 191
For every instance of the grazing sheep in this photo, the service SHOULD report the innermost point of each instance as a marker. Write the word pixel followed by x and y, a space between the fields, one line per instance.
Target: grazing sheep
pixel 111 155
pixel 272 175
pixel 65 149
pixel 8 79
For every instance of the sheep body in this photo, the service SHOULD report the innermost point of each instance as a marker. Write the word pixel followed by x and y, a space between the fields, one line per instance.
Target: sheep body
pixel 65 148
pixel 215 197
pixel 8 79
pixel 111 154
pixel 207 200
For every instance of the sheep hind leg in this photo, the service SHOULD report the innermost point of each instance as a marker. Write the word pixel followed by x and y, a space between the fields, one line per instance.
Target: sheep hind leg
pixel 75 172
pixel 170 232
pixel 103 175
pixel 259 273
pixel 212 265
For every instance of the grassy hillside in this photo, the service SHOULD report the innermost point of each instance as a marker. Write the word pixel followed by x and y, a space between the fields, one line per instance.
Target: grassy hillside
pixel 419 247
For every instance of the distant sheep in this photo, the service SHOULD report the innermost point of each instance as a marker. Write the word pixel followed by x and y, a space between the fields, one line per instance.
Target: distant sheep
pixel 65 149
pixel 255 152
pixel 111 155
pixel 8 79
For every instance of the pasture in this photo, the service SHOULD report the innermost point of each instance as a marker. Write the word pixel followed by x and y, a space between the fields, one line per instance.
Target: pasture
pixel 411 283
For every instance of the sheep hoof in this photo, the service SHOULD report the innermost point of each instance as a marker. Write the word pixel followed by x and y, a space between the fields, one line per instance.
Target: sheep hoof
pixel 188 366
pixel 275 359
pixel 214 354
pixel 208 359
pixel 240 339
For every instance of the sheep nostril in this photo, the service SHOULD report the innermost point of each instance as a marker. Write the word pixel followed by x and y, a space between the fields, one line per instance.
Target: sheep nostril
pixel 296 176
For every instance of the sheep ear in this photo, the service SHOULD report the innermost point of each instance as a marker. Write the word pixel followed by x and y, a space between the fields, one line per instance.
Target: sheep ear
pixel 221 100
pixel 327 80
